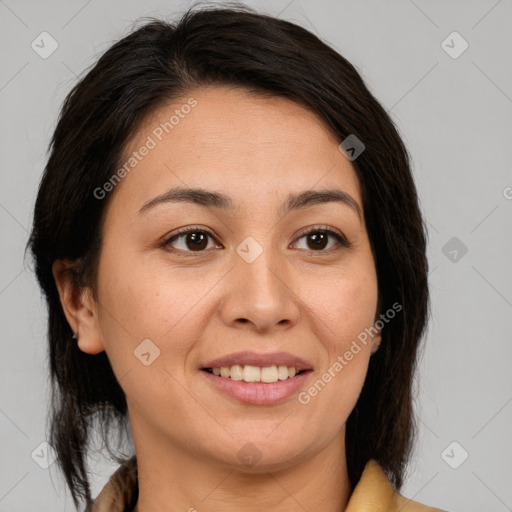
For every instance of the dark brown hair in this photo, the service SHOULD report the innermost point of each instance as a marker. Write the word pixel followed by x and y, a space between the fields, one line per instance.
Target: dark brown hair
pixel 161 61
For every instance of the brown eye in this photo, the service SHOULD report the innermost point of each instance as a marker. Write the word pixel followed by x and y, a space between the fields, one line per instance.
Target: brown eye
pixel 318 239
pixel 190 240
pixel 197 241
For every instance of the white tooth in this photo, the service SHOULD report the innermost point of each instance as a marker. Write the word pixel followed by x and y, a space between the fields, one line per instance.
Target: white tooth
pixel 237 372
pixel 269 374
pixel 282 372
pixel 252 373
pixel 291 372
pixel 216 371
pixel 224 372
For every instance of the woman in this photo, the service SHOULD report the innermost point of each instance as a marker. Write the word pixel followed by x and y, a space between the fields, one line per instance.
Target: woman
pixel 233 255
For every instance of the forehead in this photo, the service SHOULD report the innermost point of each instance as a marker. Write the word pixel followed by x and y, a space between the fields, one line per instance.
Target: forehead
pixel 252 147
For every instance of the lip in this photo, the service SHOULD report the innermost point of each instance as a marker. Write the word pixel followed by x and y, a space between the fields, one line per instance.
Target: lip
pixel 258 393
pixel 256 359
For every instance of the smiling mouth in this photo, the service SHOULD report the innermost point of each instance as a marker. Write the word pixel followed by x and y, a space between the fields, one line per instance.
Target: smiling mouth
pixel 249 373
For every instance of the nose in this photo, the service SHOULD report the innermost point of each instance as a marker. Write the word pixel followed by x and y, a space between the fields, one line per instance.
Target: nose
pixel 260 294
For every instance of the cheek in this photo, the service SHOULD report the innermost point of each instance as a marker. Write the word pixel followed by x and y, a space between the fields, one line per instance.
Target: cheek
pixel 159 314
pixel 343 305
pixel 343 310
pixel 139 302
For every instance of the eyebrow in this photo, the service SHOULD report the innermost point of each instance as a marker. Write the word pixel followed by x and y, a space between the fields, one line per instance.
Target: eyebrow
pixel 220 201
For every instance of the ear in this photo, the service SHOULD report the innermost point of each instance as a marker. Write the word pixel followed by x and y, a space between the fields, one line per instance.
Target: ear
pixel 79 307
pixel 377 338
pixel 376 341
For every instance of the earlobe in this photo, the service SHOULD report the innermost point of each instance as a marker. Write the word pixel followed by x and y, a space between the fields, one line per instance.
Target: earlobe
pixel 79 308
pixel 376 341
pixel 377 338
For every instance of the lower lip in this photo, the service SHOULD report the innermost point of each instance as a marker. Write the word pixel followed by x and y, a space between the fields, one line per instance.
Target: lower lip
pixel 258 393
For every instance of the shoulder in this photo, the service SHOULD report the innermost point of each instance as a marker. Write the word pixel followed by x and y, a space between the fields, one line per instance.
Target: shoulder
pixel 120 492
pixel 375 493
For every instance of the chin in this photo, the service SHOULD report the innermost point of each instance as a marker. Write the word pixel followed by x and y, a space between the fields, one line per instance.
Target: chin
pixel 262 452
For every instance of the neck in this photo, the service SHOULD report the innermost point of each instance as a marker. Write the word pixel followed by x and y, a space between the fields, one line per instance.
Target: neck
pixel 175 479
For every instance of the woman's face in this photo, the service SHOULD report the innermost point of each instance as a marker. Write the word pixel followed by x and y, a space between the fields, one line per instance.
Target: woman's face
pixel 247 284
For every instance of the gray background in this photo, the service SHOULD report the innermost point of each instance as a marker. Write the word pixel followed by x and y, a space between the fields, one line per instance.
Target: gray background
pixel 455 115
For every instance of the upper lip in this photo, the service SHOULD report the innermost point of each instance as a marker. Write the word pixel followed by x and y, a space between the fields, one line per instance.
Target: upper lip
pixel 257 359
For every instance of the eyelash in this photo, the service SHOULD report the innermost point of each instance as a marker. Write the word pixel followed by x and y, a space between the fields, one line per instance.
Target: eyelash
pixel 317 229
